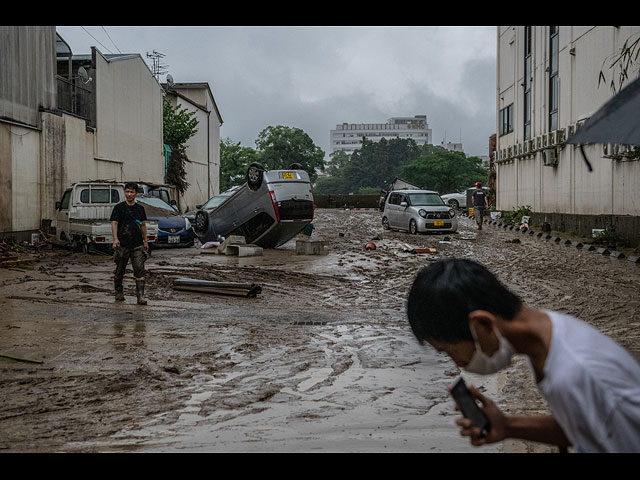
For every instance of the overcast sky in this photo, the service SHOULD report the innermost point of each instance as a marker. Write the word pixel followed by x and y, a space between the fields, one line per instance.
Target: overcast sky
pixel 314 78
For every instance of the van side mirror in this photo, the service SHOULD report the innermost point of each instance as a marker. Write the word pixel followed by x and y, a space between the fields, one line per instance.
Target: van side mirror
pixel 198 207
pixel 58 205
pixel 404 204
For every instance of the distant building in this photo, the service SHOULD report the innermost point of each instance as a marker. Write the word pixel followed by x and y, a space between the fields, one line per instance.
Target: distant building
pixel 453 147
pixel 347 137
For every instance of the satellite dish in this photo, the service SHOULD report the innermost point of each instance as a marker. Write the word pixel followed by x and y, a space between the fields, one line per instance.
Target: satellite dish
pixel 170 80
pixel 84 76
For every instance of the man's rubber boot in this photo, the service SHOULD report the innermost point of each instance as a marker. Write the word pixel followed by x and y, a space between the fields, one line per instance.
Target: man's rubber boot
pixel 119 290
pixel 140 292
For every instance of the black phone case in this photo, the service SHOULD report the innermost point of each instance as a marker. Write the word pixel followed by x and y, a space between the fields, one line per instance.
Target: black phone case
pixel 468 406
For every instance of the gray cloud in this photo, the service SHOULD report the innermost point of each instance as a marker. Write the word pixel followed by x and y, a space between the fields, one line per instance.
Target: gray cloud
pixel 316 77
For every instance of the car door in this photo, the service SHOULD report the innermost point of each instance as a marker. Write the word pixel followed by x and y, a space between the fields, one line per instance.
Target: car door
pixel 62 215
pixel 391 210
pixel 402 217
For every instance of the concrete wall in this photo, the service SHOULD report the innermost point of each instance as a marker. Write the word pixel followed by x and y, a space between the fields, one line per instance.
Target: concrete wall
pixel 128 119
pixel 27 72
pixel 568 188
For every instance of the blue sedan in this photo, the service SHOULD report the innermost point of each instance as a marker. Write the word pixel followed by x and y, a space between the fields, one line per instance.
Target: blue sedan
pixel 173 229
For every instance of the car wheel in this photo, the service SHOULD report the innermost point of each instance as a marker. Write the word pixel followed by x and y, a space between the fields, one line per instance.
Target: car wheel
pixel 413 227
pixel 295 166
pixel 255 173
pixel 385 223
pixel 453 203
pixel 201 222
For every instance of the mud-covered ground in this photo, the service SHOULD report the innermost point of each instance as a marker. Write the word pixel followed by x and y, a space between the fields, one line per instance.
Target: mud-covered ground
pixel 322 360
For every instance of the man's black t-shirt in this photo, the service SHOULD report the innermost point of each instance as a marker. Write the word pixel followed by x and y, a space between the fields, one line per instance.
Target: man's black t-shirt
pixel 129 220
pixel 478 198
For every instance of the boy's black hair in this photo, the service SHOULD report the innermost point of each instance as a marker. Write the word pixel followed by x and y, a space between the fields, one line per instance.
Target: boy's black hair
pixel 444 293
pixel 131 186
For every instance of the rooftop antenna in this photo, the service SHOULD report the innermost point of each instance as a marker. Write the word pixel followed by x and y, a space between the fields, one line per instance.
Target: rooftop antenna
pixel 157 68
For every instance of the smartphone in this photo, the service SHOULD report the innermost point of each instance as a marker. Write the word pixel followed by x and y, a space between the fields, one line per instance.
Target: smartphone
pixel 468 406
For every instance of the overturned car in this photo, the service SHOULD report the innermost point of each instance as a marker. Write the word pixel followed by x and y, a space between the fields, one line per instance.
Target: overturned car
pixel 271 208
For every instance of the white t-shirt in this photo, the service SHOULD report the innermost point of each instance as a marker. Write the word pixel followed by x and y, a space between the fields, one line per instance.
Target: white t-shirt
pixel 592 386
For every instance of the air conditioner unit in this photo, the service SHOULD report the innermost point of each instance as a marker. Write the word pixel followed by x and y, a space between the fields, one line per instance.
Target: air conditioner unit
pixel 550 157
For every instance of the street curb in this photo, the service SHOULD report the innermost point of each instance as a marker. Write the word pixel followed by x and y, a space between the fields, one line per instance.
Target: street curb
pixel 567 242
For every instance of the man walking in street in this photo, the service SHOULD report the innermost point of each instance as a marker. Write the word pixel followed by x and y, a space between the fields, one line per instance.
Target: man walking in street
pixel 480 203
pixel 128 225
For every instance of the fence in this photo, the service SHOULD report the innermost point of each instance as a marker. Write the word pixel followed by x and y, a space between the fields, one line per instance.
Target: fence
pixel 74 99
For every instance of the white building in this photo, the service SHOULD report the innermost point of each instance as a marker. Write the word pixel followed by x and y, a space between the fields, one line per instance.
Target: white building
pixel 547 85
pixel 203 149
pixel 452 147
pixel 60 124
pixel 348 136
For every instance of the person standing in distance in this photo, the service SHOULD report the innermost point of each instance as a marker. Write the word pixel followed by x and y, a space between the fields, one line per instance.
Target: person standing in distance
pixel 480 203
pixel 129 228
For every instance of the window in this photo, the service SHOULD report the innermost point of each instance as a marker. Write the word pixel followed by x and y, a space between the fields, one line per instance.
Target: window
pixel 553 78
pixel 64 204
pixel 527 83
pixel 506 120
pixel 99 195
pixel 394 199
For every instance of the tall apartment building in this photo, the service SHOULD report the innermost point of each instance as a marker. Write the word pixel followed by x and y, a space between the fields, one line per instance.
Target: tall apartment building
pixel 547 86
pixel 348 136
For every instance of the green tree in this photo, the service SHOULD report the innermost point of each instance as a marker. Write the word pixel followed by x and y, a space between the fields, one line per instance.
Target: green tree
pixel 178 126
pixel 234 161
pixel 278 147
pixel 369 169
pixel 444 171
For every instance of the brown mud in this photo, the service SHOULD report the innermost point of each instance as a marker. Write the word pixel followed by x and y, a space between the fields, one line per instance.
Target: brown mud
pixel 322 360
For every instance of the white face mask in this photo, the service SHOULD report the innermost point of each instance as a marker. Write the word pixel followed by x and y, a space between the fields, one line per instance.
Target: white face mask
pixel 485 365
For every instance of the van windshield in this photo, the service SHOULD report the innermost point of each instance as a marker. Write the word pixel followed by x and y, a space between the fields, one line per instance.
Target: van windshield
pixel 425 200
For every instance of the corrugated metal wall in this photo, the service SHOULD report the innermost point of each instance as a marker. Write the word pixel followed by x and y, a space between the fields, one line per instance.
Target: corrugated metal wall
pixel 27 76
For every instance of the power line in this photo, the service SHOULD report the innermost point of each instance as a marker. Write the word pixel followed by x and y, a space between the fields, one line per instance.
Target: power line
pixel 96 39
pixel 114 43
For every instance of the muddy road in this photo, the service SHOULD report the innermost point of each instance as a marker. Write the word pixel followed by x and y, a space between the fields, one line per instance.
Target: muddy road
pixel 322 360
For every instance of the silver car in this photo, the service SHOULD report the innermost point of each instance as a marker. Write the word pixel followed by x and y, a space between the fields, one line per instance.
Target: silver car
pixel 418 211
pixel 271 208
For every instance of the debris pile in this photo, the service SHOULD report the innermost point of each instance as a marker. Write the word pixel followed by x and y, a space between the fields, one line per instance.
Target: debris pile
pixel 10 253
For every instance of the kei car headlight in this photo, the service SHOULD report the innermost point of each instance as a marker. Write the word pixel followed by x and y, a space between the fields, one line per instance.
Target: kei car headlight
pixel 422 213
pixel 452 213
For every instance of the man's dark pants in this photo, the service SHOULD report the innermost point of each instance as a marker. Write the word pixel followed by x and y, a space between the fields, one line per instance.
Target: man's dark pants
pixel 478 212
pixel 121 259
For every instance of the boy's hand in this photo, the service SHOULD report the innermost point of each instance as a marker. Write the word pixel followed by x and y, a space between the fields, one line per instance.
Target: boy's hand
pixel 494 415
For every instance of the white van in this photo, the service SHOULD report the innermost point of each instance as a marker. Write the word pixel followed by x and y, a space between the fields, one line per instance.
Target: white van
pixel 83 213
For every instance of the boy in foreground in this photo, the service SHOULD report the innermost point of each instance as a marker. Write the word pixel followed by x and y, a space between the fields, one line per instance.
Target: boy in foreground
pixel 592 385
